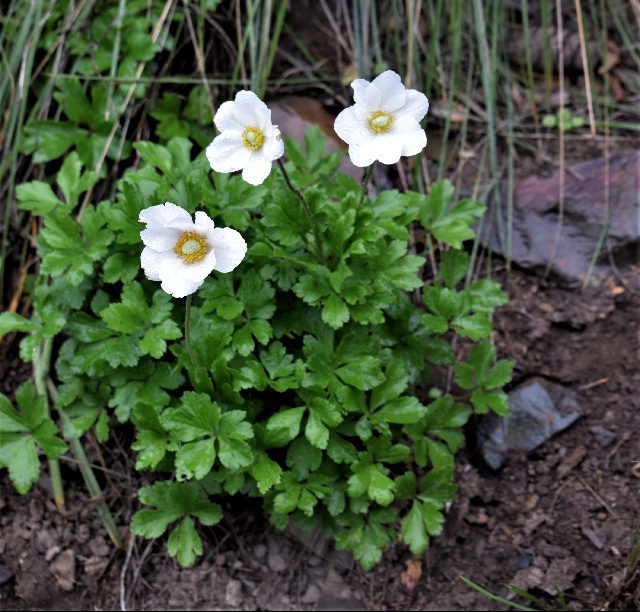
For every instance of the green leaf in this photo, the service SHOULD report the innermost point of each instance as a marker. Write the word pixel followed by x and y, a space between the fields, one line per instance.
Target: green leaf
pixel 499 375
pixel 303 458
pixel 453 267
pixel 184 543
pixel 402 410
pixel 47 140
pixel 12 321
pixel 362 372
pixel 432 517
pixel 381 488
pixel 315 431
pixel 152 441
pixel 234 454
pixel 72 181
pixel 23 433
pixel 266 472
pixel 335 312
pixel 414 533
pixel 38 197
pixel 195 459
pixel 288 420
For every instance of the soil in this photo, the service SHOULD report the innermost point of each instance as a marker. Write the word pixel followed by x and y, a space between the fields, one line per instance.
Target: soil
pixel 564 514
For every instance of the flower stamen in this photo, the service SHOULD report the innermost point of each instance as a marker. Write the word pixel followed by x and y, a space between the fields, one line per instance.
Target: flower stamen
pixel 380 121
pixel 191 246
pixel 252 138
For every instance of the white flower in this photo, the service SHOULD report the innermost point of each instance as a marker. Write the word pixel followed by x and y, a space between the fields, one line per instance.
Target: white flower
pixel 248 141
pixel 181 253
pixel 383 124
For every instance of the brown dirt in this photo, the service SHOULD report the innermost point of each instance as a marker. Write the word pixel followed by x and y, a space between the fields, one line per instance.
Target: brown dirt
pixel 561 515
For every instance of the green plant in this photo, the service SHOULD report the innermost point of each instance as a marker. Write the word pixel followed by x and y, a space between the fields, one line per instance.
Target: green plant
pixel 306 364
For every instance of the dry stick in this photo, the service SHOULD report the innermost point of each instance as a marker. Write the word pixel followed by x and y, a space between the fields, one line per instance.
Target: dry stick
pixel 199 57
pixel 114 128
pixel 585 68
pixel 593 492
pixel 123 572
pixel 556 240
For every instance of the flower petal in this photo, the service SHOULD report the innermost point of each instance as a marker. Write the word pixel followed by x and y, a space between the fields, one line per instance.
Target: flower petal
pixel 150 261
pixel 362 151
pixel 347 123
pixel 272 148
pixel 162 214
pixel 226 120
pixel 392 92
pixel 416 105
pixel 410 134
pixel 388 148
pixel 159 238
pixel 359 90
pixel 227 153
pixel 256 170
pixel 230 248
pixel 245 108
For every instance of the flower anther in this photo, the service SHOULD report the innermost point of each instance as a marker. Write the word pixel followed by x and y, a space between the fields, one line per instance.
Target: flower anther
pixel 252 138
pixel 380 121
pixel 191 246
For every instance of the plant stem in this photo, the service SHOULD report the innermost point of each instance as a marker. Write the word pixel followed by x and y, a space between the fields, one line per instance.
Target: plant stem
pixel 365 184
pixel 88 476
pixel 187 330
pixel 40 372
pixel 300 197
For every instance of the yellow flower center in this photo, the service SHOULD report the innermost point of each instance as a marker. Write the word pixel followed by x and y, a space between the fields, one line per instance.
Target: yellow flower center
pixel 191 246
pixel 252 138
pixel 380 121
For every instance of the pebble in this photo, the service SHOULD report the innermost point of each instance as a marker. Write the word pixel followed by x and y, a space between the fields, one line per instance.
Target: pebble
pixel 603 437
pixel 233 593
pixel 312 594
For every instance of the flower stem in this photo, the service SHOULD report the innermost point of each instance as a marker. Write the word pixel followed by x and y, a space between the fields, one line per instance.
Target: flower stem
pixel 365 184
pixel 300 197
pixel 187 330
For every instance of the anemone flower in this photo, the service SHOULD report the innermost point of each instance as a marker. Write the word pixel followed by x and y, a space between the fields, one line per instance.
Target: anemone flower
pixel 181 253
pixel 248 141
pixel 383 124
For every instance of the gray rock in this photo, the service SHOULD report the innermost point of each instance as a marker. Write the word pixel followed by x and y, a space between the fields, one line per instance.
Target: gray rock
pixel 538 411
pixel 536 216
pixel 603 436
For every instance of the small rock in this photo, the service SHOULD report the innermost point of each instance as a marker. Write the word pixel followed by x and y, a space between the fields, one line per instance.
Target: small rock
pixel 275 560
pixel 539 410
pixel 259 551
pixel 233 594
pixel 5 575
pixel 603 436
pixel 312 594
pixel 596 537
pixel 64 568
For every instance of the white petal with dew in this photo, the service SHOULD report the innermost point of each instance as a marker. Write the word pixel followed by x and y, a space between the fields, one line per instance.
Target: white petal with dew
pixel 226 120
pixel 359 90
pixel 160 238
pixel 162 214
pixel 347 123
pixel 256 170
pixel 227 153
pixel 416 105
pixel 150 261
pixel 245 106
pixel 230 248
pixel 393 92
